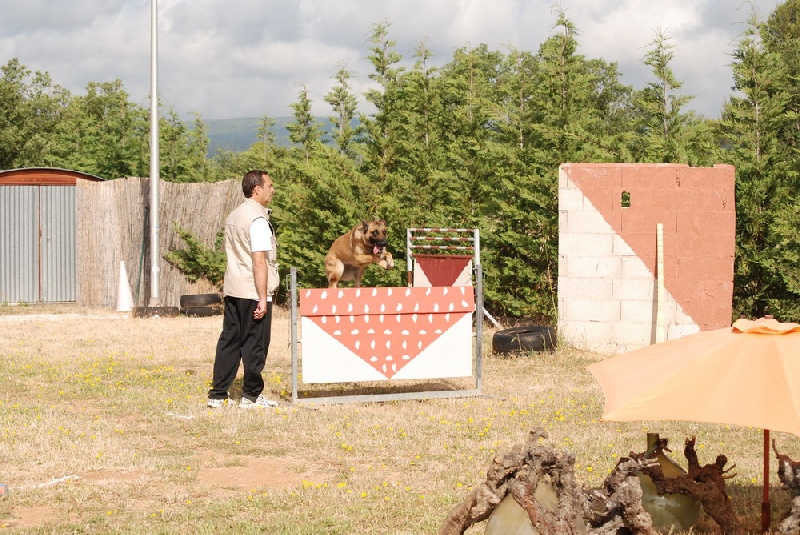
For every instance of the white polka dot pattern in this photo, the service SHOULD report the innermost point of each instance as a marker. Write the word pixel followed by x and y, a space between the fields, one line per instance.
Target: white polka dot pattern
pixel 386 327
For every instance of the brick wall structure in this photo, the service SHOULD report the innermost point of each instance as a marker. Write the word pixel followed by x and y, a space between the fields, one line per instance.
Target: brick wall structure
pixel 608 268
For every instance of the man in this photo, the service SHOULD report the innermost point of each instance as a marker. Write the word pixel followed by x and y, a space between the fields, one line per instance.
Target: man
pixel 251 277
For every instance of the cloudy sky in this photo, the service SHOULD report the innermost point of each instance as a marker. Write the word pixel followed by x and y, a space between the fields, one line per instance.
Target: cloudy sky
pixel 243 58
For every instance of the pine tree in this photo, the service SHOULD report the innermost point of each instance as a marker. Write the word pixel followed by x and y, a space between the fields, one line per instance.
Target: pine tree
pixel 265 142
pixel 173 148
pixel 381 128
pixel 305 131
pixel 463 173
pixel 761 130
pixel 344 104
pixel 667 133
pixel 200 168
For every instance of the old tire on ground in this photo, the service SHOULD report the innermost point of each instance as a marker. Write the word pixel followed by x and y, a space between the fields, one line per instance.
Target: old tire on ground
pixel 199 300
pixel 526 338
pixel 202 312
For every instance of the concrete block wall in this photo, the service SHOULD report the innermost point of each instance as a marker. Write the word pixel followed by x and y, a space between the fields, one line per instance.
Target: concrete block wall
pixel 607 271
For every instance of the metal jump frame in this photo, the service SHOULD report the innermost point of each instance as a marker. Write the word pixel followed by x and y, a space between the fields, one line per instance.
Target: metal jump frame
pixel 434 242
pixel 478 337
pixel 474 248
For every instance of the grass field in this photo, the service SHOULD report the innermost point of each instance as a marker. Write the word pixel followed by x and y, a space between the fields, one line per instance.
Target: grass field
pixel 104 430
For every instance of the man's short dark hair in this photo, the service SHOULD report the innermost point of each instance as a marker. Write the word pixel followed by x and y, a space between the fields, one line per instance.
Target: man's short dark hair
pixel 250 180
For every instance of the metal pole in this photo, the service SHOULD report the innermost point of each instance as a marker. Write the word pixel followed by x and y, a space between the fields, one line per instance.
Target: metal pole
pixel 478 327
pixel 477 245
pixel 155 250
pixel 409 266
pixel 293 331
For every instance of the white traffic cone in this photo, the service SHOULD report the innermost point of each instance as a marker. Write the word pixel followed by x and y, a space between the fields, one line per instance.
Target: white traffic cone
pixel 124 296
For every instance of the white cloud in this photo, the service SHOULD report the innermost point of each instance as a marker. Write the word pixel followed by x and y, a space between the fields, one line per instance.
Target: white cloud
pixel 250 57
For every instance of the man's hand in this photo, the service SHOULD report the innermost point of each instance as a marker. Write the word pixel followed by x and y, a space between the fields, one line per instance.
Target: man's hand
pixel 261 309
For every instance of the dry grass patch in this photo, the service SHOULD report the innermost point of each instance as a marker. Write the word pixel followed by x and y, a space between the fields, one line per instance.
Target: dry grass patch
pixel 104 428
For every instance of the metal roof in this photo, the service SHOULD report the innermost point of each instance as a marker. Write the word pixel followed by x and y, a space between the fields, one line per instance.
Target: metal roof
pixel 44 176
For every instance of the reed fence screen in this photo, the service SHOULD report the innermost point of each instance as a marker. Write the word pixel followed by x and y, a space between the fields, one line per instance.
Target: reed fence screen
pixel 113 226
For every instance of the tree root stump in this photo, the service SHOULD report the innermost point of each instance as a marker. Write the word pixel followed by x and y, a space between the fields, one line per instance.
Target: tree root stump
pixel 563 507
pixel 618 505
pixel 542 482
pixel 703 483
pixel 789 474
pixel 520 474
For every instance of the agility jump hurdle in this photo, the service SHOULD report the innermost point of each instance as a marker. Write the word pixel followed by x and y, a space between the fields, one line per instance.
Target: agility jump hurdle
pixel 386 334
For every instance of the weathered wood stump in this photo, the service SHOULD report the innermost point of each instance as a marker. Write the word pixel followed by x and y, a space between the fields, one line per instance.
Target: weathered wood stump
pixel 618 505
pixel 704 483
pixel 542 482
pixel 789 474
pixel 519 473
pixel 527 469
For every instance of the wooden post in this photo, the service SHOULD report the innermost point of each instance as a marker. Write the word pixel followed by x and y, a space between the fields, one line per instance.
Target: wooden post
pixel 661 334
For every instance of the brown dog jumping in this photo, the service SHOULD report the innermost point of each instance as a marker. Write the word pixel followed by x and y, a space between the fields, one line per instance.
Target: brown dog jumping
pixel 351 253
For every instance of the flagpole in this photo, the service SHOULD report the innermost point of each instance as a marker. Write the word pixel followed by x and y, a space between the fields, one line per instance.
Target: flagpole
pixel 155 254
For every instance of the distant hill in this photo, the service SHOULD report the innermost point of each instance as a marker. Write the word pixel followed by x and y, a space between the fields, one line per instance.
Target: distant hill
pixel 238 135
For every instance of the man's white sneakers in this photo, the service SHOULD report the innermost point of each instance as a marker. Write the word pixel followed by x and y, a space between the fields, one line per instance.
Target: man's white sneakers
pixel 261 401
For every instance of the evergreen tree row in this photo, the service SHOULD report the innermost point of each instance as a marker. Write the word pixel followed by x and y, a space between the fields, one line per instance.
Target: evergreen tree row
pixel 475 143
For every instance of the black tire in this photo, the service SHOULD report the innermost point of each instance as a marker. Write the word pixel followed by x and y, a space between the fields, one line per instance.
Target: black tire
pixel 526 338
pixel 201 312
pixel 200 300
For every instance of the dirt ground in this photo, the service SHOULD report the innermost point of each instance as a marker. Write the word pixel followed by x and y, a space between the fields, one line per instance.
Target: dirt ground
pixel 213 474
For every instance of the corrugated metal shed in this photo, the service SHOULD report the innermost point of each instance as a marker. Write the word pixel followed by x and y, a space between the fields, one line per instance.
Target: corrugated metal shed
pixel 38 234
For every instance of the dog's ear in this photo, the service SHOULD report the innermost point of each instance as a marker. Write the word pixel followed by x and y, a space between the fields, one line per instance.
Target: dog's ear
pixel 364 226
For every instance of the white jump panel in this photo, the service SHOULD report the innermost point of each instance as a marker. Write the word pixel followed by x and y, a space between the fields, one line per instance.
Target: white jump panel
pixel 378 334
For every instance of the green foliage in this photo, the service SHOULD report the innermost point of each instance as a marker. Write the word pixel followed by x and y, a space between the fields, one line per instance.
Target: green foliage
pixel 32 113
pixel 316 202
pixel 667 133
pixel 474 143
pixel 198 261
pixel 108 134
pixel 760 130
pixel 305 131
pixel 382 129
pixel 183 150
pixel 101 133
pixel 344 104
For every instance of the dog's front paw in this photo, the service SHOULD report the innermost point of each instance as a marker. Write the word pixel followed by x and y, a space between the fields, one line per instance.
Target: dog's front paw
pixel 387 262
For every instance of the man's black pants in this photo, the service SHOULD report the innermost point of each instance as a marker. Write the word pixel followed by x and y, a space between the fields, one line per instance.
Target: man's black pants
pixel 242 339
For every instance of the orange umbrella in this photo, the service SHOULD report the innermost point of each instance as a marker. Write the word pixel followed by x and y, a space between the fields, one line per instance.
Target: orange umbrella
pixel 748 374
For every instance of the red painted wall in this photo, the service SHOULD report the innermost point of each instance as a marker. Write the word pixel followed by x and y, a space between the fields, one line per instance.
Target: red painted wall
pixel 696 207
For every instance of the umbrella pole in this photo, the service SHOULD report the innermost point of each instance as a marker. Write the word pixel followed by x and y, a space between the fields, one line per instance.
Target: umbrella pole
pixel 765 511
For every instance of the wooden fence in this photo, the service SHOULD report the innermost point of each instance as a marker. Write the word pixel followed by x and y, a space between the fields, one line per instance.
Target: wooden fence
pixel 113 225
